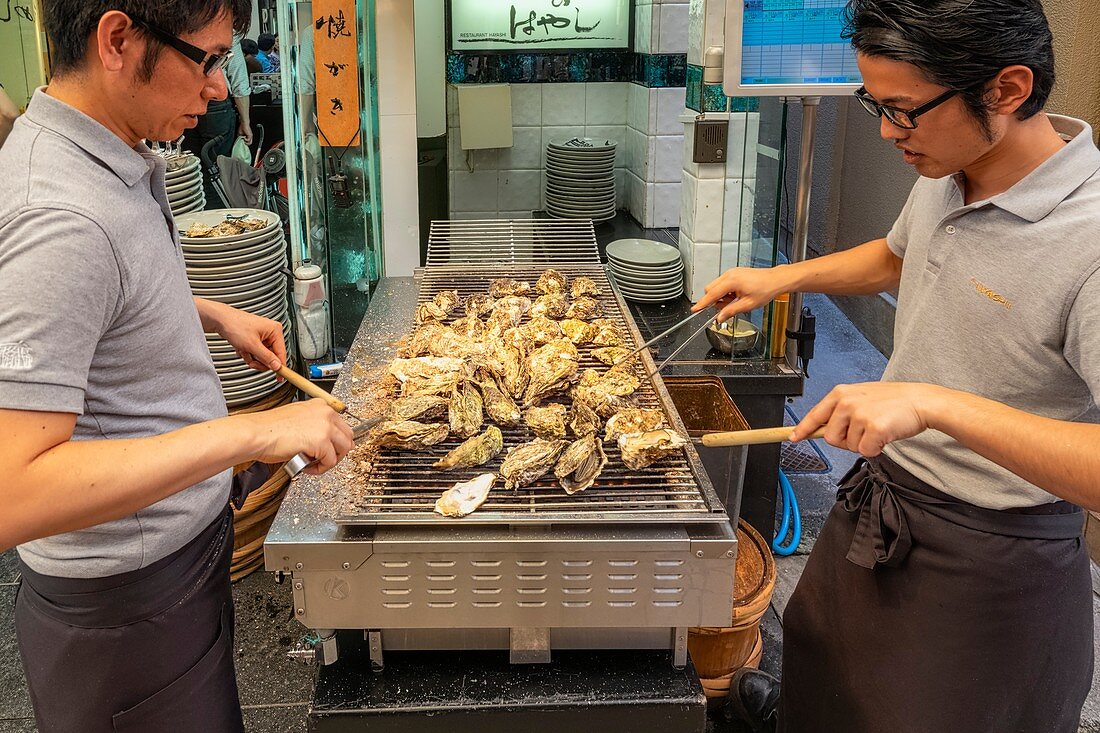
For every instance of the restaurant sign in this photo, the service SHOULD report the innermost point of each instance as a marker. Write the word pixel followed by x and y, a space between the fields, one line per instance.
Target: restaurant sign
pixel 526 25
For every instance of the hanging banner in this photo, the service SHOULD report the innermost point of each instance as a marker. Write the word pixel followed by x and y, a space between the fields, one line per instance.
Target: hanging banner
pixel 336 54
pixel 526 25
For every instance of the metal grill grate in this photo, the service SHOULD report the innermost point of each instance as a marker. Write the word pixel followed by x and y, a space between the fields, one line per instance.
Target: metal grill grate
pixel 551 242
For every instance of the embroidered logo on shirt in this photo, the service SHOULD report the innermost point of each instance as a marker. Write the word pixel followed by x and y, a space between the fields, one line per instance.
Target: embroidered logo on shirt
pixel 15 356
pixel 990 293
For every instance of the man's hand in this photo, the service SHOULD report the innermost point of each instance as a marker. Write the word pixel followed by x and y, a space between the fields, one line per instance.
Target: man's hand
pixel 245 130
pixel 311 427
pixel 741 290
pixel 863 418
pixel 259 341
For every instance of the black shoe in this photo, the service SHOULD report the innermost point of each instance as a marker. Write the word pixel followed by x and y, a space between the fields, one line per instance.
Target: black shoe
pixel 752 701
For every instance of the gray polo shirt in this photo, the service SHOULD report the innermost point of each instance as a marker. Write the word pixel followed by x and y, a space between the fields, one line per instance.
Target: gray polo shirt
pixel 97 319
pixel 1001 298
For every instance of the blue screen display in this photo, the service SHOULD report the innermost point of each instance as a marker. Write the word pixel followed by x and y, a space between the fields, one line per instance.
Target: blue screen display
pixel 796 42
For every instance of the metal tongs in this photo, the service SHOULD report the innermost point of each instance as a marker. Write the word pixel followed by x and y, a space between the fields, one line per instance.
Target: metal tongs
pixel 660 336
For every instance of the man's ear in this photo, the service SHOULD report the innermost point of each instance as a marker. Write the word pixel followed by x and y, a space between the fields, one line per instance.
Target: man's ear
pixel 1010 89
pixel 117 41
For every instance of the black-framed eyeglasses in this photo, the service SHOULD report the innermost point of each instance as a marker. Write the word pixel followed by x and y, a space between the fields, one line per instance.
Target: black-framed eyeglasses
pixel 210 62
pixel 903 118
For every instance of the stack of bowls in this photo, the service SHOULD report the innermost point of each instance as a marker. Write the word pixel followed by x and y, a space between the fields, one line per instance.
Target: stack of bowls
pixel 247 271
pixel 183 183
pixel 580 179
pixel 646 271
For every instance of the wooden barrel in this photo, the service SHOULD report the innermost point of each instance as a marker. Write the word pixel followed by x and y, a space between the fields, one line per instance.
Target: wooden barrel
pixel 718 652
pixel 717 689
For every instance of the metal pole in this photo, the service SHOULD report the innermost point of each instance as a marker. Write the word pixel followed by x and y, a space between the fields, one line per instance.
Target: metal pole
pixel 802 215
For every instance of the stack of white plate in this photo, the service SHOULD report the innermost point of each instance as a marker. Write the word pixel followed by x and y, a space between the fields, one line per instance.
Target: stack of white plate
pixel 247 271
pixel 183 183
pixel 580 178
pixel 646 271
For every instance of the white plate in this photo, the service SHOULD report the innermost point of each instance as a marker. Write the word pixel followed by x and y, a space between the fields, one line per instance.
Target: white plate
pixel 185 200
pixel 606 216
pixel 660 299
pixel 191 208
pixel 661 283
pixel 217 216
pixel 232 256
pixel 184 184
pixel 260 264
pixel 580 198
pixel 602 171
pixel 580 211
pixel 580 179
pixel 552 157
pixel 182 172
pixel 244 291
pixel 255 381
pixel 662 293
pixel 233 247
pixel 636 271
pixel 642 252
pixel 262 304
pixel 583 143
pixel 566 188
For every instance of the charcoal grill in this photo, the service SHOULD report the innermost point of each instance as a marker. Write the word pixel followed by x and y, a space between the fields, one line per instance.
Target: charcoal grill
pixel 631 562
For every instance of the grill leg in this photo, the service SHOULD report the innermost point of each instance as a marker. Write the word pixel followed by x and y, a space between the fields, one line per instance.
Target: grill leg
pixel 374 642
pixel 679 647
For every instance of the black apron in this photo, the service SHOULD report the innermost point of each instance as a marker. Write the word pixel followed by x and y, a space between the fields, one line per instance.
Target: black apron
pixel 149 651
pixel 920 613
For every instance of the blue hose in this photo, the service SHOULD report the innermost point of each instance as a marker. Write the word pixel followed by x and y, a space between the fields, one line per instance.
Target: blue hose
pixel 791 515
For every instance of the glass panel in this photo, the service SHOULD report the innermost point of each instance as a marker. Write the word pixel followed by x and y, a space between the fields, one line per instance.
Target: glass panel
pixel 22 51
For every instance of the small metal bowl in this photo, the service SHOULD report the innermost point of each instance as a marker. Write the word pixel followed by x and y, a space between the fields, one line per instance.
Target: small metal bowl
pixel 733 338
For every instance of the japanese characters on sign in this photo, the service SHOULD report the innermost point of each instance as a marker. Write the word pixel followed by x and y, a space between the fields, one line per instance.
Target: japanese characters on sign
pixel 336 53
pixel 517 25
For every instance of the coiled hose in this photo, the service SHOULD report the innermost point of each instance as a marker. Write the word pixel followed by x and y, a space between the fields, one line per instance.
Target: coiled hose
pixel 791 516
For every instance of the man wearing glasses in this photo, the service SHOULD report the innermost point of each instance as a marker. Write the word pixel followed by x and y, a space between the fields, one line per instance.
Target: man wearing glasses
pixel 115 448
pixel 949 589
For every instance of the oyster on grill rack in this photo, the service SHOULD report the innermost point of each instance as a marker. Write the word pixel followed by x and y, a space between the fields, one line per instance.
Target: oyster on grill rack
pixel 429 313
pixel 584 308
pixel 409 434
pixel 465 496
pixel 579 332
pixel 640 450
pixel 550 368
pixel 527 462
pixel 583 286
pixel 507 313
pixel 610 355
pixel 437 384
pixel 585 421
pixel 447 300
pixel 465 412
pixel 476 451
pixel 580 464
pixel 507 286
pixel 546 422
pixel 552 305
pixel 633 421
pixel 594 388
pixel 500 407
pixel 540 331
pixel 418 407
pixel 551 281
pixel 423 367
pixel 607 333
pixel 479 305
pixel 509 363
pixel 435 339
pixel 469 326
pixel 421 340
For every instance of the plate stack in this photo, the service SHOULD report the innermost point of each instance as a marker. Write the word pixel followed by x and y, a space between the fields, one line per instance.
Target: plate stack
pixel 580 179
pixel 646 271
pixel 183 182
pixel 248 271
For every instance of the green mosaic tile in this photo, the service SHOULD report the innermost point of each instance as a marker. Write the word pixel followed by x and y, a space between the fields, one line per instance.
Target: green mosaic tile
pixel 714 99
pixel 694 83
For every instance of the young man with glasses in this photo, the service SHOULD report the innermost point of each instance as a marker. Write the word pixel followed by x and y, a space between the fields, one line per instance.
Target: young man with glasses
pixel 115 446
pixel 949 589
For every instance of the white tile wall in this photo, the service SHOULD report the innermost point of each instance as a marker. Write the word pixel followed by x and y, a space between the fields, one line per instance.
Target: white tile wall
pixel 563 104
pixel 605 103
pixel 666 204
pixel 643 27
pixel 475 191
pixel 706 266
pixel 689 190
pixel 519 190
pixel 670 105
pixel 526 105
pixel 673 36
pixel 696 22
pixel 637 107
pixel 668 158
pixel 710 196
pixel 526 150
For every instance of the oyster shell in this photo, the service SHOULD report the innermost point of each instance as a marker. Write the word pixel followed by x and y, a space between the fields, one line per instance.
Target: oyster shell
pixel 446 300
pixel 633 421
pixel 409 434
pixel 584 286
pixel 640 450
pixel 479 305
pixel 437 384
pixel 547 422
pixel 417 407
pixel 429 313
pixel 580 464
pixel 584 308
pixel 507 313
pixel 465 496
pixel 475 451
pixel 607 333
pixel 500 407
pixel 465 412
pixel 550 368
pixel 420 341
pixel 606 393
pixel 610 355
pixel 527 462
pixel 553 305
pixel 540 331
pixel 435 339
pixel 423 367
pixel 585 420
pixel 551 281
pixel 508 363
pixel 469 326
pixel 507 286
pixel 579 332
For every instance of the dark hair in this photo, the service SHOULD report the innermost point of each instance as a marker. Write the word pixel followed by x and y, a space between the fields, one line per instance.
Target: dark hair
pixel 266 41
pixel 249 47
pixel 960 44
pixel 69 24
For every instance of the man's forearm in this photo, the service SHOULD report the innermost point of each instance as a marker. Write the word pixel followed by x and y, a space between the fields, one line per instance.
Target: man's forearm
pixel 241 103
pixel 1058 456
pixel 210 314
pixel 864 270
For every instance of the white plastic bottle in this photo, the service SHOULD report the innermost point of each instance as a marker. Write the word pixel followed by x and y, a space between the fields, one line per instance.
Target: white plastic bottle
pixel 311 310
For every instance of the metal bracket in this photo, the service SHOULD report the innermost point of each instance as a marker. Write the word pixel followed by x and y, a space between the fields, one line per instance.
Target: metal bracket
pixel 374 643
pixel 529 645
pixel 679 647
pixel 316 649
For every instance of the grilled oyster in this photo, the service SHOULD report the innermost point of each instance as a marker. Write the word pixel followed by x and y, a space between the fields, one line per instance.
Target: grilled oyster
pixel 584 308
pixel 479 305
pixel 527 462
pixel 476 451
pixel 644 449
pixel 540 331
pixel 633 421
pixel 429 313
pixel 551 281
pixel 583 286
pixel 446 300
pixel 465 413
pixel 409 434
pixel 611 355
pixel 507 313
pixel 423 367
pixel 579 332
pixel 465 496
pixel 547 422
pixel 498 405
pixel 506 286
pixel 552 305
pixel 437 384
pixel 607 333
pixel 420 341
pixel 585 420
pixel 469 326
pixel 435 339
pixel 550 368
pixel 606 393
pixel 580 464
pixel 509 363
pixel 419 407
